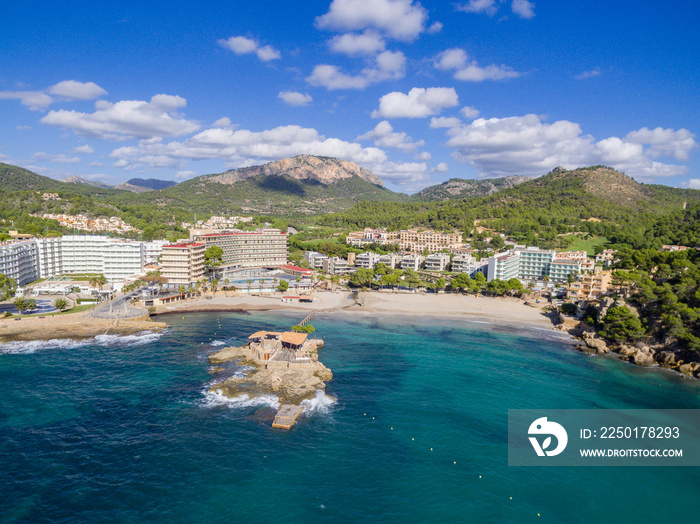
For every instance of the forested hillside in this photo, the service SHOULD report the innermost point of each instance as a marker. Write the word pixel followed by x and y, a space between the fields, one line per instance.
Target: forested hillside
pixel 596 200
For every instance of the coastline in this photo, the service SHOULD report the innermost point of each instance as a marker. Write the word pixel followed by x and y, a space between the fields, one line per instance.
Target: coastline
pixel 505 311
pixel 466 307
pixel 76 327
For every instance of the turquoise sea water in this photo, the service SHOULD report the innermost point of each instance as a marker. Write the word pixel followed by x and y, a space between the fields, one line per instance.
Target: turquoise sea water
pixel 121 430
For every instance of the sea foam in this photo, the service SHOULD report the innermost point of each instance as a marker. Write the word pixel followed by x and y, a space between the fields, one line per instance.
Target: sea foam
pixel 321 403
pixel 32 346
pixel 22 347
pixel 213 399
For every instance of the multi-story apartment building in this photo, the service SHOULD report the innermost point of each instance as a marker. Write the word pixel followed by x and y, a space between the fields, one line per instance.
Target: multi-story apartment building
pixel 561 268
pixel 114 258
pixel 413 262
pixel 19 260
pixel 468 264
pixel 83 253
pixel 607 257
pixel 336 266
pixel 123 259
pixel 581 256
pixel 315 259
pixel 390 260
pixel 367 260
pixel 437 262
pixel 535 263
pixel 415 241
pixel 263 247
pixel 371 236
pixel 531 264
pixel 50 256
pixel 590 286
pixel 504 266
pixel 183 263
pixel 153 250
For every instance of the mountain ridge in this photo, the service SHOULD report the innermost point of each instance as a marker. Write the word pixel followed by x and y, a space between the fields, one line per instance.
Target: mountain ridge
pixel 325 170
pixel 457 188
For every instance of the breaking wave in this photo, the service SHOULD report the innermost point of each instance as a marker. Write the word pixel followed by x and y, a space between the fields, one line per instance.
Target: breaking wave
pixel 20 347
pixel 32 346
pixel 216 399
pixel 321 403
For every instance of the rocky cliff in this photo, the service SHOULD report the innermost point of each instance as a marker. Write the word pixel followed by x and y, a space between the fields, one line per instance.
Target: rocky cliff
pixel 325 170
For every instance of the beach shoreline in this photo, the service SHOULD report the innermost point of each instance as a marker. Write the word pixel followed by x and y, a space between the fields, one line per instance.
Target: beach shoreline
pixel 504 311
pixel 448 306
pixel 75 327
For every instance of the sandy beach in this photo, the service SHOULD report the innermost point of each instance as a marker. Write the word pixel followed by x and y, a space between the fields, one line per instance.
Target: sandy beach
pixel 506 310
pixel 509 310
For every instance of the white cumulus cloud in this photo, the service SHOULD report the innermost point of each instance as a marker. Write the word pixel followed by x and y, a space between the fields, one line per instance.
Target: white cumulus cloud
pixel 358 44
pixel 34 100
pixel 399 19
pixel 665 142
pixel 592 73
pixel 244 147
pixel 526 145
pixel 523 8
pixel 442 167
pixel 74 90
pixel 127 119
pixel 384 135
pixel 411 176
pixel 241 45
pixel 70 90
pixel 488 7
pixel 469 70
pixel 444 122
pixel 469 112
pixel 389 65
pixel 295 99
pixel 85 149
pixel 417 103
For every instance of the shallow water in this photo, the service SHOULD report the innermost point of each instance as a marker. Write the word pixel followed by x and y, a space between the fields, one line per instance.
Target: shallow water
pixel 124 430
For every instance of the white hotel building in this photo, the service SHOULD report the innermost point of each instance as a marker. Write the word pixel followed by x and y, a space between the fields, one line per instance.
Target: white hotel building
pixel 116 259
pixel 18 260
pixel 29 260
pixel 531 264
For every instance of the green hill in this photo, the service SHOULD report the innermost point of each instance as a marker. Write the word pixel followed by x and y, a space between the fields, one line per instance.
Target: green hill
pixel 595 200
pixel 457 188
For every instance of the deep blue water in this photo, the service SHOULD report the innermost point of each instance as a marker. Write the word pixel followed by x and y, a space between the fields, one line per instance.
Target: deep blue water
pixel 121 430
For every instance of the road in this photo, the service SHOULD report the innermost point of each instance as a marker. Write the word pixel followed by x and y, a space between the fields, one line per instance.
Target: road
pixel 117 308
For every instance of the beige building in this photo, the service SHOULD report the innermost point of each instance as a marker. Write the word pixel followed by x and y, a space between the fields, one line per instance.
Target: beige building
pixel 371 236
pixel 183 263
pixel 415 241
pixel 260 248
pixel 590 286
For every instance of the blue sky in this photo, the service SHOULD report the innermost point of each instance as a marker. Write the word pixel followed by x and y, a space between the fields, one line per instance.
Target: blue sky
pixel 416 92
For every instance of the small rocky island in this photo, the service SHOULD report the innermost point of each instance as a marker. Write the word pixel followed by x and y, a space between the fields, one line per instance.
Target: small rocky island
pixel 284 364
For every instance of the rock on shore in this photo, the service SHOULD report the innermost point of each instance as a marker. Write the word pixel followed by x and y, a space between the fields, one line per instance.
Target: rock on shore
pixel 292 383
pixel 640 354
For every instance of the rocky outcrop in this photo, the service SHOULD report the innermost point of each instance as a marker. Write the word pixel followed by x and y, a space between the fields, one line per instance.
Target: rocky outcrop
pixel 291 382
pixel 691 368
pixel 593 345
pixel 324 170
